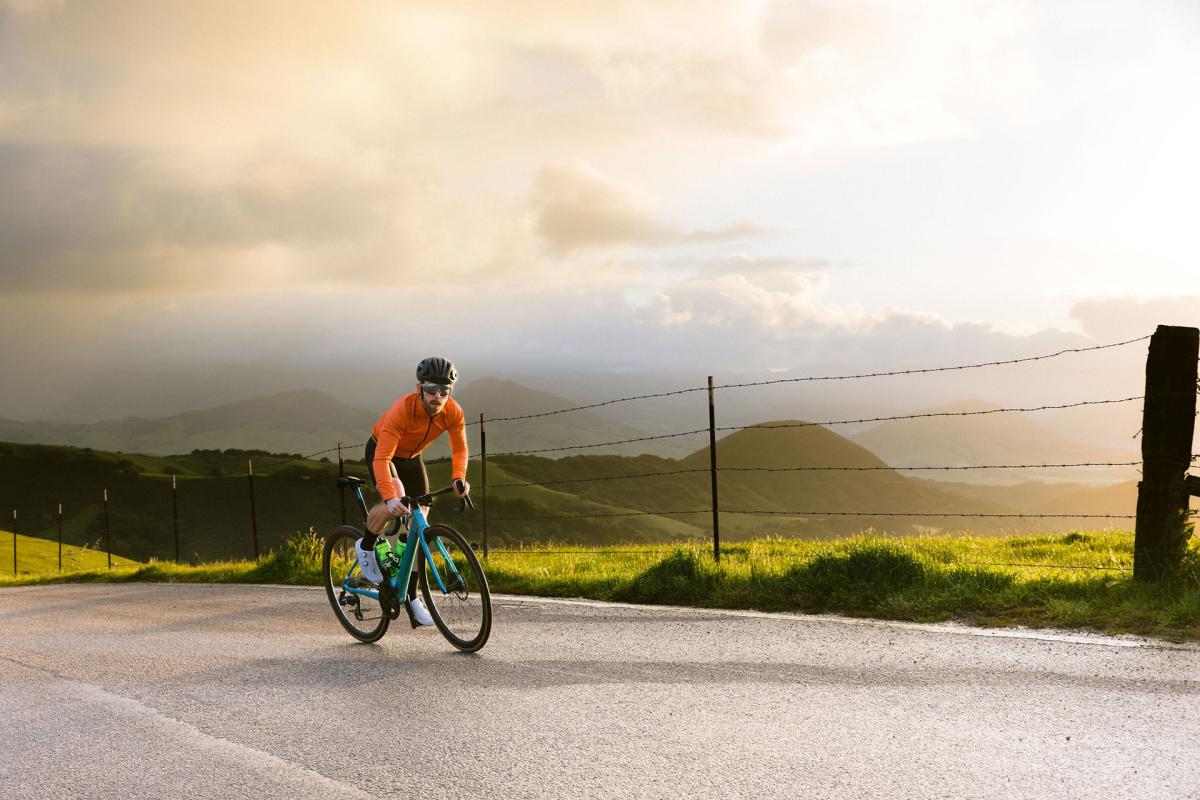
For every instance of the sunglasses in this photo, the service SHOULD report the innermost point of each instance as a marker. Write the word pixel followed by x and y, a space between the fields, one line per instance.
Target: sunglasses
pixel 435 388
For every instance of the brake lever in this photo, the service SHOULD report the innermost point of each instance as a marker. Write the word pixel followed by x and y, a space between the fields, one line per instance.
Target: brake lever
pixel 464 503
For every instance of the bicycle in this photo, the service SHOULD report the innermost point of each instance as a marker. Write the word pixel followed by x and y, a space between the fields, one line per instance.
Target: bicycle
pixel 449 574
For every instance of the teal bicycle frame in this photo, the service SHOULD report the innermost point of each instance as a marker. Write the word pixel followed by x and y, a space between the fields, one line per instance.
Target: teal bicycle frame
pixel 416 537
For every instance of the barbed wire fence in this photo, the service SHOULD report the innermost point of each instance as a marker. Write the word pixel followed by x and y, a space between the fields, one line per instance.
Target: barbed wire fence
pixel 714 509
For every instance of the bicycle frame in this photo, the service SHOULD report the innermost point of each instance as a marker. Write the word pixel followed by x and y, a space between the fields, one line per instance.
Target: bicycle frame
pixel 417 526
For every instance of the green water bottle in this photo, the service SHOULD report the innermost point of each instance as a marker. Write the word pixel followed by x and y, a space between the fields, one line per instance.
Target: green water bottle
pixel 389 557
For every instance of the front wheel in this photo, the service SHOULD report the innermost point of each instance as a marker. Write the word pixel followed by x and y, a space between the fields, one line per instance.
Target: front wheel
pixel 362 616
pixel 455 588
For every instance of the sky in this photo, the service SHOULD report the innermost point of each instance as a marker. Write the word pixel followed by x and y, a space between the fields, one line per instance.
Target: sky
pixel 536 189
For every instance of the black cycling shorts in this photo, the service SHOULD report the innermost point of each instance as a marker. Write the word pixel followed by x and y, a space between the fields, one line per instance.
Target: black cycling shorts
pixel 411 471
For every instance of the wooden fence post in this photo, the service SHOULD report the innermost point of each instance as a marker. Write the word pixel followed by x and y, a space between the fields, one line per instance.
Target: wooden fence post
pixel 60 523
pixel 14 543
pixel 1168 424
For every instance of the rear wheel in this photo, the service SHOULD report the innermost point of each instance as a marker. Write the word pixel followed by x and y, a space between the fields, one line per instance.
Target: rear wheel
pixel 363 617
pixel 460 603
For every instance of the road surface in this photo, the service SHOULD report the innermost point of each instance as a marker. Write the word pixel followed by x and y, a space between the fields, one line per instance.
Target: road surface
pixel 181 691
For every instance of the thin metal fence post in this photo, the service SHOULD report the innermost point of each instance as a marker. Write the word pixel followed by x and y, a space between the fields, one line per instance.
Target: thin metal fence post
pixel 483 509
pixel 14 543
pixel 60 524
pixel 253 513
pixel 107 531
pixel 342 489
pixel 175 515
pixel 712 461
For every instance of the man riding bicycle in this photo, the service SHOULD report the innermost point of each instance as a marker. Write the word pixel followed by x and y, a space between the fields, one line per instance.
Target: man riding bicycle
pixel 393 455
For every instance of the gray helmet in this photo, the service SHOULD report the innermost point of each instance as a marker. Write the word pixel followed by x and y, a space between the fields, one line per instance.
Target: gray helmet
pixel 436 370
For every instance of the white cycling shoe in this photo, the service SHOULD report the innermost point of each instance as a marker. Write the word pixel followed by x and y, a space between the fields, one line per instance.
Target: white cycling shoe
pixel 420 614
pixel 367 563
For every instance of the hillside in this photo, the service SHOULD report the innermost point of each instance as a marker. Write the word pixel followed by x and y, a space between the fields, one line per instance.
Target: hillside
pixel 758 473
pixel 37 556
pixel 779 469
pixel 1006 438
pixel 290 494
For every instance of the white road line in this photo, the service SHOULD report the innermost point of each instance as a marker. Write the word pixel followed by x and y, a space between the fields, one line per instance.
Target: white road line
pixel 249 757
pixel 945 628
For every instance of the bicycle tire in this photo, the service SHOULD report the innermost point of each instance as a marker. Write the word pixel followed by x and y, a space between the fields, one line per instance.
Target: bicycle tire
pixel 363 618
pixel 463 614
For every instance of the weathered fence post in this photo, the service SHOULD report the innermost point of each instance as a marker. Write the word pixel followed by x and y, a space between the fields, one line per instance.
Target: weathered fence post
pixel 712 461
pixel 253 514
pixel 1168 423
pixel 107 531
pixel 483 505
pixel 175 515
pixel 14 543
pixel 60 521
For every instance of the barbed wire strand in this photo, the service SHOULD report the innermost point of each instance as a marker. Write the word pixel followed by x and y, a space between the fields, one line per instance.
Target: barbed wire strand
pixel 774 426
pixel 596 479
pixel 599 444
pixel 814 378
pixel 809 469
pixel 931 369
pixel 971 515
pixel 592 516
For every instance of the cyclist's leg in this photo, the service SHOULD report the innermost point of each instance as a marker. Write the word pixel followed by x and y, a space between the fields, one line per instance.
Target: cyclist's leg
pixel 416 483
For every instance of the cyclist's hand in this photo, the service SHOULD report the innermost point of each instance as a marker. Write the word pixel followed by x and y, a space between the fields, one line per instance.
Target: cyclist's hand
pixel 397 507
pixel 461 487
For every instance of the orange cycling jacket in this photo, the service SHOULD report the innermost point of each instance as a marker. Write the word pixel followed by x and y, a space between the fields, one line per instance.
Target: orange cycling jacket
pixel 406 429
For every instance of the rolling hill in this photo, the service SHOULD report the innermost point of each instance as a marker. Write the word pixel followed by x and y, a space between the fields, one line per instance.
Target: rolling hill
pixel 1005 438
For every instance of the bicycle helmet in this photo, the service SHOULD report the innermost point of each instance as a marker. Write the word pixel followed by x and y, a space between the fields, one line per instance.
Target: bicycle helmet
pixel 436 370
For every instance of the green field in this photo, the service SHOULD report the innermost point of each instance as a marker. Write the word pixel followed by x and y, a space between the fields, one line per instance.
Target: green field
pixel 1078 580
pixel 37 557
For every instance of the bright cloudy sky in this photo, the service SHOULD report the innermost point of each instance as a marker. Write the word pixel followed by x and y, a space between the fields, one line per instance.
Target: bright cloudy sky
pixel 611 185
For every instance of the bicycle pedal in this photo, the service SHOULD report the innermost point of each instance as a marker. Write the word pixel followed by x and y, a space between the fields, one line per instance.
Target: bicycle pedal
pixel 390 601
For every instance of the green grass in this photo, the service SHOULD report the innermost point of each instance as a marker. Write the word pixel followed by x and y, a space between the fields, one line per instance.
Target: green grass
pixel 38 557
pixel 1080 580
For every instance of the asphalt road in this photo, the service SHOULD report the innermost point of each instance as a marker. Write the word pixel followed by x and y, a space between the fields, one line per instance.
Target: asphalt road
pixel 132 691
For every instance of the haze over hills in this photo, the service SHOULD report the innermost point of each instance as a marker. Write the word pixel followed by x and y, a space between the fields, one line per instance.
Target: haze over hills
pixel 1002 438
pixel 307 421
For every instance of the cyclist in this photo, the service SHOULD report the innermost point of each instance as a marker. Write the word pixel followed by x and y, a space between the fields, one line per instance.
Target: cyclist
pixel 393 455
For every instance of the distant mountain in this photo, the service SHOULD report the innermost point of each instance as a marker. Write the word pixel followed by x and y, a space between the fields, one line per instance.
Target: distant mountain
pixel 307 421
pixel 1002 438
pixel 290 422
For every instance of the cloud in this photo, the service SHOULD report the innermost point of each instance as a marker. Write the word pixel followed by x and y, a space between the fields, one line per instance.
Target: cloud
pixel 103 219
pixel 775 303
pixel 1114 318
pixel 577 207
pixel 746 265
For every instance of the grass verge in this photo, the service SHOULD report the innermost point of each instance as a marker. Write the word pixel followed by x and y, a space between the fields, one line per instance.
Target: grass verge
pixel 1081 580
